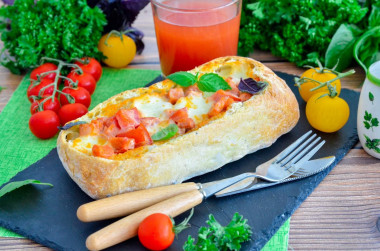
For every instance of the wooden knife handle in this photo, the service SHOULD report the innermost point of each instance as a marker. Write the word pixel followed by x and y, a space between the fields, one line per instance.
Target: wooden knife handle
pixel 124 204
pixel 127 227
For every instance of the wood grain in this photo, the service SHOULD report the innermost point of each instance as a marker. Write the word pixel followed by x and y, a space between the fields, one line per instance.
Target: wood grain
pixel 343 211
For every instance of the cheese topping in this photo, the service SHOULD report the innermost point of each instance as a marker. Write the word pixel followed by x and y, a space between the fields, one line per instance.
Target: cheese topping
pixel 133 121
pixel 152 105
pixel 196 105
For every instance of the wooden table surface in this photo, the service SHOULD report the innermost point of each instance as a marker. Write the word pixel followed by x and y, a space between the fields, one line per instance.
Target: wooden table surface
pixel 343 211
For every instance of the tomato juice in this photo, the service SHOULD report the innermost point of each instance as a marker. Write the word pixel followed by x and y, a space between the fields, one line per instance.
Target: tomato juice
pixel 192 32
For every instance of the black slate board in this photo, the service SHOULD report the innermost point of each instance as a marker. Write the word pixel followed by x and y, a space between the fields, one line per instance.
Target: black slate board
pixel 48 215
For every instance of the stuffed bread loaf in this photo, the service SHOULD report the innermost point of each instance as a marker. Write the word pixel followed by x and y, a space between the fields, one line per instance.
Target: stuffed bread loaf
pixel 103 164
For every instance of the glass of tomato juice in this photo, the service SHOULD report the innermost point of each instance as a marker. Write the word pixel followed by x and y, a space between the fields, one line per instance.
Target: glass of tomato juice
pixel 192 32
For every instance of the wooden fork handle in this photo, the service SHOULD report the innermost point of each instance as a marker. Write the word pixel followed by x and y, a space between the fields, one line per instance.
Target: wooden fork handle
pixel 124 204
pixel 127 227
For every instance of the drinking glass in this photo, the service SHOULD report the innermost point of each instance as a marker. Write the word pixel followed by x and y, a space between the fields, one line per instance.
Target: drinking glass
pixel 192 32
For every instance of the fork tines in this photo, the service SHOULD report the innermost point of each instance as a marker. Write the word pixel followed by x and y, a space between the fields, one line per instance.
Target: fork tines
pixel 300 151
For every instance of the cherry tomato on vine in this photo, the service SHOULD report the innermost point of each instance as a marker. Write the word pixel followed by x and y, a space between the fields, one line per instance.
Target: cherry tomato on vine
pixel 93 67
pixel 304 89
pixel 34 88
pixel 44 68
pixel 156 232
pixel 79 94
pixel 49 104
pixel 118 48
pixel 44 125
pixel 85 80
pixel 327 114
pixel 71 111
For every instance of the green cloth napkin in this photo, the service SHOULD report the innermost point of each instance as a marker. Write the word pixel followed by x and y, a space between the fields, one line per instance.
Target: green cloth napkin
pixel 20 148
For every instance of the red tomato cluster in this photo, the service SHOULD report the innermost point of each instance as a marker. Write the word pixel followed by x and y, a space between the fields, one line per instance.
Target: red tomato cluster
pixel 69 103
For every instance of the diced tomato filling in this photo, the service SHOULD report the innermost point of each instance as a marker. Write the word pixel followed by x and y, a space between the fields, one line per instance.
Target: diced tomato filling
pixel 221 93
pixel 140 135
pixel 128 118
pixel 235 90
pixel 181 118
pixel 244 96
pixel 220 105
pixel 127 130
pixel 175 94
pixel 191 89
pixel 150 122
pixel 112 130
pixel 122 144
pixel 88 129
pixel 102 151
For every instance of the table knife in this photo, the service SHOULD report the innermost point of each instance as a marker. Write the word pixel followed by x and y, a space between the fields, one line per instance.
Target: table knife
pixel 310 168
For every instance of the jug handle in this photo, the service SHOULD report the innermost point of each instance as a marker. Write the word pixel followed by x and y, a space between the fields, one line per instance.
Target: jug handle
pixel 360 42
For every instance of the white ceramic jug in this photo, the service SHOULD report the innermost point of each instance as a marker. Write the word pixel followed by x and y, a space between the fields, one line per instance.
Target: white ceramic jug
pixel 369 112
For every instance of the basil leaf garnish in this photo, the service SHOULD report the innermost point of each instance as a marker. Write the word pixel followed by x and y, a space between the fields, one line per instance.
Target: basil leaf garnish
pixel 251 86
pixel 69 125
pixel 165 133
pixel 211 82
pixel 183 78
pixel 17 184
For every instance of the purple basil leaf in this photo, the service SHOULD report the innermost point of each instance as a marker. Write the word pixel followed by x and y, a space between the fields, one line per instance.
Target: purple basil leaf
pixel 137 36
pixel 132 9
pixel 8 2
pixel 69 125
pixel 251 86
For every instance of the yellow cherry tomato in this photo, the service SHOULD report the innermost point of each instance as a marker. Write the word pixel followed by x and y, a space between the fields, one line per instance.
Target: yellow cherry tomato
pixel 119 53
pixel 325 113
pixel 304 89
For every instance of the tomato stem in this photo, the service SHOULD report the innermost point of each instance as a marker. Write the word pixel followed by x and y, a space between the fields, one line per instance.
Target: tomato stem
pixel 72 83
pixel 113 32
pixel 184 224
pixel 339 76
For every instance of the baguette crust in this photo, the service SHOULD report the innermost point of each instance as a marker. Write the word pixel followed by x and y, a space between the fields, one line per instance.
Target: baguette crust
pixel 243 129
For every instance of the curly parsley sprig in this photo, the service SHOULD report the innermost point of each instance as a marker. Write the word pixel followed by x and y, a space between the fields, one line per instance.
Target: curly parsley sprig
pixel 217 237
pixel 64 30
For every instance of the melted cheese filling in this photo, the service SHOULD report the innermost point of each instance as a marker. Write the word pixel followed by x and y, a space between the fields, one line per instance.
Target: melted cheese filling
pixel 156 105
pixel 152 105
pixel 84 144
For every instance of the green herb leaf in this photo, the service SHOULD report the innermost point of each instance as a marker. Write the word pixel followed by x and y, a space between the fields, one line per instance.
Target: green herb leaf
pixel 367 125
pixel 165 133
pixel 217 237
pixel 374 122
pixel 212 82
pixel 367 116
pixel 55 29
pixel 299 31
pixel 366 49
pixel 183 78
pixel 371 97
pixel 339 54
pixel 17 184
pixel 1 88
pixel 374 17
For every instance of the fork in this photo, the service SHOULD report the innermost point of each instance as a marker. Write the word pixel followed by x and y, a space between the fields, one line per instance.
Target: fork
pixel 282 166
pixel 172 201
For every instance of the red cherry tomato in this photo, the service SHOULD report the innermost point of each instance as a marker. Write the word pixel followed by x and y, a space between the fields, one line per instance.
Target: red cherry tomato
pixel 44 124
pixel 80 95
pixel 85 80
pixel 49 104
pixel 34 90
pixel 156 232
pixel 44 68
pixel 71 111
pixel 93 67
